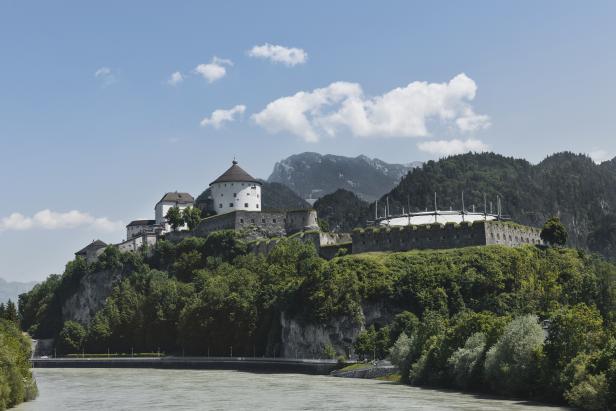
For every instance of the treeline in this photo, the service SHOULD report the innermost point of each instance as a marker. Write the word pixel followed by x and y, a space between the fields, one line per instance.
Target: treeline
pixel 495 319
pixel 16 382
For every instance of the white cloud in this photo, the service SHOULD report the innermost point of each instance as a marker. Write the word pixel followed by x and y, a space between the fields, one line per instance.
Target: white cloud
pixel 599 156
pixel 220 116
pixel 401 112
pixel 215 70
pixel 51 220
pixel 451 147
pixel 289 56
pixel 175 79
pixel 105 75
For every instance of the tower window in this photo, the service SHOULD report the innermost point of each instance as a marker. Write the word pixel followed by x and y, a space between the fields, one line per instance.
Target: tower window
pixel 220 205
pixel 246 205
pixel 230 204
pixel 234 195
pixel 257 205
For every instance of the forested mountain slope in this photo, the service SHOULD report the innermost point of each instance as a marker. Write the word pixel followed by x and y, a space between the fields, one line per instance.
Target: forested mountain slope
pixel 569 185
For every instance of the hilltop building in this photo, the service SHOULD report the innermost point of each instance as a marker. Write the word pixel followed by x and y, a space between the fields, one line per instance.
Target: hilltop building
pixel 236 190
pixel 92 250
pixel 175 199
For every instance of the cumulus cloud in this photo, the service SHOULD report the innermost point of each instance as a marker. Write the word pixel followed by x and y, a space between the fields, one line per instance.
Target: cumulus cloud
pixel 175 79
pixel 214 70
pixel 599 156
pixel 105 76
pixel 451 147
pixel 289 56
pixel 51 220
pixel 401 112
pixel 220 116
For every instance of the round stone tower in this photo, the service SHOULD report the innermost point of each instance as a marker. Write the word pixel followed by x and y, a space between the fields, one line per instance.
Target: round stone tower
pixel 236 190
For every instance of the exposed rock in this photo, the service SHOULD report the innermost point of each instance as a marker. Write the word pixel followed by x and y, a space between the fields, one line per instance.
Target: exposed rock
pixel 93 290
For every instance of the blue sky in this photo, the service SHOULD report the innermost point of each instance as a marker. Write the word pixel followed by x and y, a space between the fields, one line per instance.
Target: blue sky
pixel 401 81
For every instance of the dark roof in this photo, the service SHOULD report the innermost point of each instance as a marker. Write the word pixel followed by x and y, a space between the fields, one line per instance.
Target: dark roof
pixel 180 198
pixel 93 245
pixel 236 174
pixel 141 222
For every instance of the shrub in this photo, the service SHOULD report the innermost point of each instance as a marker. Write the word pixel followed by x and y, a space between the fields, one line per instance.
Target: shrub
pixel 510 365
pixel 399 352
pixel 464 361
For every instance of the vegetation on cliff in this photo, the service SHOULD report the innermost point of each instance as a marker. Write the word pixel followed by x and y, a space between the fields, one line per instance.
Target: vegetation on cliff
pixel 530 321
pixel 16 382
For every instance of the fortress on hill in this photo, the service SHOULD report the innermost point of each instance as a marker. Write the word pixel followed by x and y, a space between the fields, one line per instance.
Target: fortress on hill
pixel 235 198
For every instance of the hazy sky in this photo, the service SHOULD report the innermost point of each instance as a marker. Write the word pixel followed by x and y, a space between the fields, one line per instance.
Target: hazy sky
pixel 104 106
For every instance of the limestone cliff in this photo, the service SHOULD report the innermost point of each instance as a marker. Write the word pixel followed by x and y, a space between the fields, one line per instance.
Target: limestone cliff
pixel 298 339
pixel 90 296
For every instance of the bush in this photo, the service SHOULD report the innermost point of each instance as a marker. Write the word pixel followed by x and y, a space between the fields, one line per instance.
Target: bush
pixel 590 393
pixel 16 382
pixel 399 352
pixel 511 365
pixel 466 360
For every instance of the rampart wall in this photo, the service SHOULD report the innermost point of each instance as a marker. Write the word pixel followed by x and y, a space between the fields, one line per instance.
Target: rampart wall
pixel 438 236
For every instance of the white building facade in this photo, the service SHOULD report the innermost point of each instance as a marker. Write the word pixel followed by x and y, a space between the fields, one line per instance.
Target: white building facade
pixel 175 199
pixel 236 190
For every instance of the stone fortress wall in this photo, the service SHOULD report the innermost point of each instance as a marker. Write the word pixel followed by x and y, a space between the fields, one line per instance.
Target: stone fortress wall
pixel 265 223
pixel 438 236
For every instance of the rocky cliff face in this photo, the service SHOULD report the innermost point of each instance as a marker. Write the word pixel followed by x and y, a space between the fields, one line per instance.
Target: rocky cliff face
pixel 309 340
pixel 93 290
pixel 312 175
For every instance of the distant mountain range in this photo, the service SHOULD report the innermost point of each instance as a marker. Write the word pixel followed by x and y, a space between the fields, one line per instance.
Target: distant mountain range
pixel 313 175
pixel 565 184
pixel 11 290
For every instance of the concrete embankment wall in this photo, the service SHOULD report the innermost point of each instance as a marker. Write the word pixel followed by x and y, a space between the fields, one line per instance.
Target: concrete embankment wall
pixel 275 365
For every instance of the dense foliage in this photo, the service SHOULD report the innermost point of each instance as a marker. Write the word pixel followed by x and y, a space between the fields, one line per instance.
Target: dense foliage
pixel 496 319
pixel 16 382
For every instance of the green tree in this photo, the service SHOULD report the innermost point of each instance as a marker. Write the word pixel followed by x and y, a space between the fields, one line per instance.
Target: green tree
pixel 71 338
pixel 465 360
pixel 191 216
pixel 554 232
pixel 174 217
pixel 10 312
pixel 571 331
pixel 399 352
pixel 511 363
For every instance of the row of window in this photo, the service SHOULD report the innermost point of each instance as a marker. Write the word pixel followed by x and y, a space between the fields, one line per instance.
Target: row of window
pixel 254 187
pixel 231 205
pixel 263 220
pixel 235 195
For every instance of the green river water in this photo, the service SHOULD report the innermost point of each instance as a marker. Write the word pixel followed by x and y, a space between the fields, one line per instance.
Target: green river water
pixel 146 389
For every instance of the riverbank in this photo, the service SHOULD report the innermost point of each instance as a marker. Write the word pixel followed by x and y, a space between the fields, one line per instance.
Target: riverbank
pixel 272 365
pixel 367 371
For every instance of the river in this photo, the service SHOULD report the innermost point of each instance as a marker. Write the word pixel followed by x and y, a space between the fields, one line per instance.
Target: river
pixel 147 389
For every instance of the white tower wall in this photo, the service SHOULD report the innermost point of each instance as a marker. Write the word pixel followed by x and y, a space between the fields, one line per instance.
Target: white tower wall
pixel 236 196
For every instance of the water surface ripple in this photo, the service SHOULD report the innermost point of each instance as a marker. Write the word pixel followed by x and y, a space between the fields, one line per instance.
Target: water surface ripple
pixel 147 389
